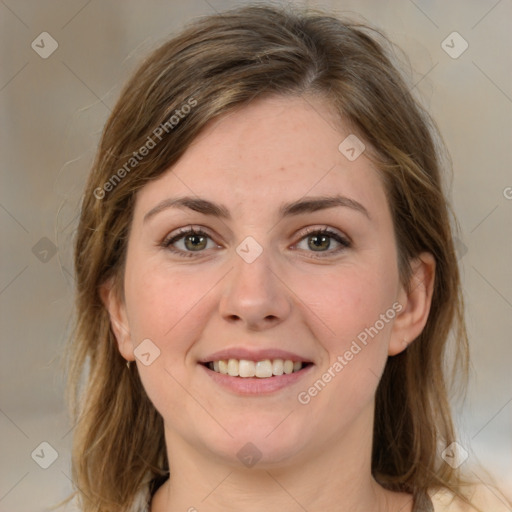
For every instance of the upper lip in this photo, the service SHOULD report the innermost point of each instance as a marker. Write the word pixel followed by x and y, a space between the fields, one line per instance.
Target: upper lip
pixel 253 355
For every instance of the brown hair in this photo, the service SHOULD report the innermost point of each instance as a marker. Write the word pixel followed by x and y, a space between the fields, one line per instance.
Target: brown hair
pixel 216 64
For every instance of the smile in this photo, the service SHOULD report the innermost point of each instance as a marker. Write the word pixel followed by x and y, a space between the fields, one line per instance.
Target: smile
pixel 245 368
pixel 246 377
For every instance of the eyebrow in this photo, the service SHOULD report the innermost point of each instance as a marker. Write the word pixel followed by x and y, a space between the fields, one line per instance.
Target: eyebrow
pixel 305 205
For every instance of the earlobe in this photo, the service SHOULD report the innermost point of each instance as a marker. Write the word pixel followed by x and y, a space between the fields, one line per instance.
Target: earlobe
pixel 416 300
pixel 116 309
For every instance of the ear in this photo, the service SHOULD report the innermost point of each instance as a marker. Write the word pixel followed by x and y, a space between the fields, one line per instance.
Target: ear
pixel 415 299
pixel 116 308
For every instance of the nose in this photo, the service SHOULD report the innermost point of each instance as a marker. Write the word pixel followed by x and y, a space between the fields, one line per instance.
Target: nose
pixel 254 295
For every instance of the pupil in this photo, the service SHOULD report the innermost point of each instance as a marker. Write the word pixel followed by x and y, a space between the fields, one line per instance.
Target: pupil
pixel 195 245
pixel 323 238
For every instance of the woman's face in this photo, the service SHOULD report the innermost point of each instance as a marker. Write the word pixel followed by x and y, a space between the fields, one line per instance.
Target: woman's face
pixel 295 259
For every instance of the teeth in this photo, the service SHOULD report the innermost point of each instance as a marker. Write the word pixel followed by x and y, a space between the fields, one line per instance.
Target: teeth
pixel 262 369
pixel 233 367
pixel 223 367
pixel 278 367
pixel 246 368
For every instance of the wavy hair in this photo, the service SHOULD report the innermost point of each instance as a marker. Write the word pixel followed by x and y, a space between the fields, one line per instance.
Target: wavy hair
pixel 222 62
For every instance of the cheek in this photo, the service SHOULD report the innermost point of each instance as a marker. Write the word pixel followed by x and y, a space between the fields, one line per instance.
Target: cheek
pixel 355 307
pixel 349 300
pixel 167 306
pixel 162 300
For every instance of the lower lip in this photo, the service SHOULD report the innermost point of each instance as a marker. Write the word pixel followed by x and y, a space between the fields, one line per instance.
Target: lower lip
pixel 257 385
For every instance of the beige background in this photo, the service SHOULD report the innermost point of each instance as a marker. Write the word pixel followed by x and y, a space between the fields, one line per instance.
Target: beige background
pixel 51 115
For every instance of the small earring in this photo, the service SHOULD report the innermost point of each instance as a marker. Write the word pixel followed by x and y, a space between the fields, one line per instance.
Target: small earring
pixel 405 342
pixel 128 363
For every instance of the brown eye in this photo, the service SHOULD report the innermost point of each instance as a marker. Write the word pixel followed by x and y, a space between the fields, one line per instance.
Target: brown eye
pixel 321 241
pixel 188 241
pixel 195 242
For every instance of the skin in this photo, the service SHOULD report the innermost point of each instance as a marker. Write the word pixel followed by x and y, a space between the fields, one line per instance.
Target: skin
pixel 316 456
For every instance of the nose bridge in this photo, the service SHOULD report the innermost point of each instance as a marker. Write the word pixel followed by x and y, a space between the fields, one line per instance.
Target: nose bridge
pixel 253 294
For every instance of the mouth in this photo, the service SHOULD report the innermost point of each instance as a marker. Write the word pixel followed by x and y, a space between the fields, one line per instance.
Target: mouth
pixel 266 377
pixel 264 369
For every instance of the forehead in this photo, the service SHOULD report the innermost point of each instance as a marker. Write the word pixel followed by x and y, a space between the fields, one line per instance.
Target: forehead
pixel 272 150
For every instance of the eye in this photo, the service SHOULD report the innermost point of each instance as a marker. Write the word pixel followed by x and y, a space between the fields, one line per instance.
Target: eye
pixel 321 240
pixel 191 240
pixel 196 241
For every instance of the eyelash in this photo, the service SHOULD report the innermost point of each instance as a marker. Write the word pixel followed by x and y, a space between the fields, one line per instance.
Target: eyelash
pixel 167 242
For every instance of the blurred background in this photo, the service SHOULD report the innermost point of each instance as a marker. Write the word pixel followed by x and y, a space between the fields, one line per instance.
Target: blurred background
pixel 62 67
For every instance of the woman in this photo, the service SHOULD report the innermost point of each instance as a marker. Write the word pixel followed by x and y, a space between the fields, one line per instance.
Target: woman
pixel 266 281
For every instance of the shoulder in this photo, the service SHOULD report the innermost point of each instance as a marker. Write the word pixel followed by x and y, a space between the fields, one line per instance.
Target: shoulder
pixel 486 498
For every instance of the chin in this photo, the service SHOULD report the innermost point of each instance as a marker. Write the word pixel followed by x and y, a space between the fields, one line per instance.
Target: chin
pixel 264 443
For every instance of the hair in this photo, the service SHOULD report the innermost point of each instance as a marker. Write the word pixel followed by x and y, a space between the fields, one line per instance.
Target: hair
pixel 216 64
